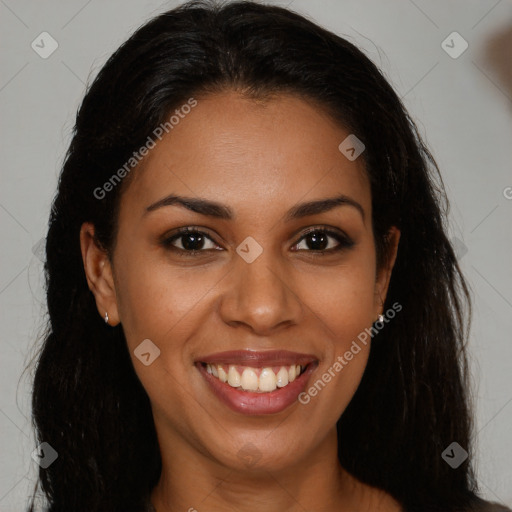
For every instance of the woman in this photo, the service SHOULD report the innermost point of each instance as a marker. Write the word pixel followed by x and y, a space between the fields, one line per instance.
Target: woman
pixel 253 302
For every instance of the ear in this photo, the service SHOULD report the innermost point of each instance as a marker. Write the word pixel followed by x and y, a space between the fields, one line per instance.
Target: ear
pixel 384 273
pixel 98 271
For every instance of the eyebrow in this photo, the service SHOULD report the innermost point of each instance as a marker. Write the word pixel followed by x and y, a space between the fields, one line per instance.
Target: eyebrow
pixel 221 211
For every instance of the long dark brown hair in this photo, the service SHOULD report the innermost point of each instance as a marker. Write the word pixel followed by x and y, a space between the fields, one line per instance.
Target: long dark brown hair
pixel 88 403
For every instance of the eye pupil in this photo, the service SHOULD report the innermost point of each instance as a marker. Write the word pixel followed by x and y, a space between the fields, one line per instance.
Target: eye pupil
pixel 318 239
pixel 190 240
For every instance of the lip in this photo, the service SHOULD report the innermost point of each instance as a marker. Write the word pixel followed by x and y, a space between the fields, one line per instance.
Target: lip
pixel 258 359
pixel 249 402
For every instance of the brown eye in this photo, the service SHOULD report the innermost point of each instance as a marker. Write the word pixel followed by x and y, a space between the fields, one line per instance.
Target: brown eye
pixel 189 241
pixel 321 240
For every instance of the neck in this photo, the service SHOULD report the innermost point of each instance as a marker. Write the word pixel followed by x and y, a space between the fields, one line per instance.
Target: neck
pixel 190 481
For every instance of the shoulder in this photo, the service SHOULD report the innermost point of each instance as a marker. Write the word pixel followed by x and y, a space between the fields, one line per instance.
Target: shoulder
pixel 384 502
pixel 148 506
pixel 488 506
pixel 477 505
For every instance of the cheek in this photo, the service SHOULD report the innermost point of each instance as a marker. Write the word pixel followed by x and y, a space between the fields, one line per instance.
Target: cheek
pixel 343 297
pixel 345 307
pixel 155 299
pixel 343 301
pixel 163 304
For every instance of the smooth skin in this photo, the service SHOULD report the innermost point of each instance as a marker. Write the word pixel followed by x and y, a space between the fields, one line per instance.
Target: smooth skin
pixel 260 159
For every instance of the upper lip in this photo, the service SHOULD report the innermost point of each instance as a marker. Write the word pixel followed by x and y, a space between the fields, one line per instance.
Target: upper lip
pixel 258 358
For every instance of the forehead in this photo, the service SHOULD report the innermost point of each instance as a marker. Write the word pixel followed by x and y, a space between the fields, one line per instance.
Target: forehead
pixel 258 156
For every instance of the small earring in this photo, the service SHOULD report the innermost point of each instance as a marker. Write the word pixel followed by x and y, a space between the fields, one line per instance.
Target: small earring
pixel 106 317
pixel 381 318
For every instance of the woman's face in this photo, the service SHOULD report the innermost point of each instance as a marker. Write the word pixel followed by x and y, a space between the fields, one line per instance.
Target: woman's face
pixel 260 295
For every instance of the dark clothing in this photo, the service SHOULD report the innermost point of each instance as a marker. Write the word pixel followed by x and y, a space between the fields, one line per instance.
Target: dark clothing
pixel 482 506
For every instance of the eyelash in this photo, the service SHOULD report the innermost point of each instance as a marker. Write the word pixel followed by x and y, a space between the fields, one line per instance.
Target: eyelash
pixel 344 242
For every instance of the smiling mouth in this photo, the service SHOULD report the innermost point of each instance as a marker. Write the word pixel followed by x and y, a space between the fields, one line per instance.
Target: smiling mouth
pixel 259 380
pixel 254 382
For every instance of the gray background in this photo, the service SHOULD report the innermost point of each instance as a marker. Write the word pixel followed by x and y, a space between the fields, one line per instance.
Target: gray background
pixel 463 107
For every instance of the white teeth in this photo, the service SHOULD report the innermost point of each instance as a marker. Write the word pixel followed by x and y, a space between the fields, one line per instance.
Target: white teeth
pixel 222 374
pixel 282 377
pixel 266 382
pixel 292 373
pixel 233 377
pixel 249 380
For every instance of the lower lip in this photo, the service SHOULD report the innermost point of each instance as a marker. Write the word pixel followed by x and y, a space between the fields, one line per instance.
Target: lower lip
pixel 250 403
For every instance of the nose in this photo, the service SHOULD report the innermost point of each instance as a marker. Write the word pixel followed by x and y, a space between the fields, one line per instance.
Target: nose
pixel 259 297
